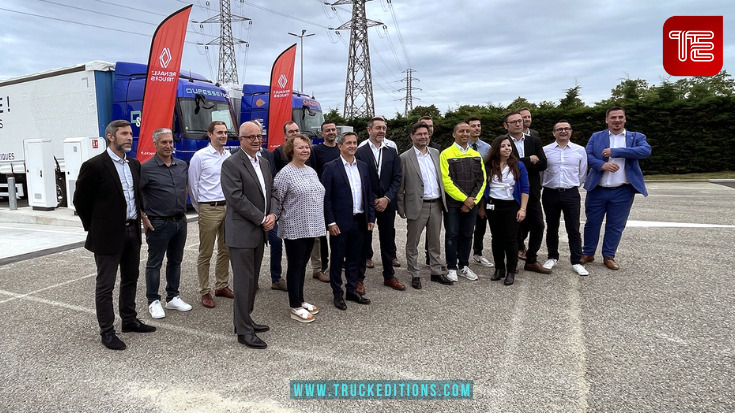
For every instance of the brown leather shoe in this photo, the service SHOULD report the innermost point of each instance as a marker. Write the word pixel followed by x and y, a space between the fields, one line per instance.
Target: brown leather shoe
pixel 208 301
pixel 587 258
pixel 360 288
pixel 396 263
pixel 522 255
pixel 280 285
pixel 394 284
pixel 610 263
pixel 536 267
pixel 224 292
pixel 321 276
pixel 369 263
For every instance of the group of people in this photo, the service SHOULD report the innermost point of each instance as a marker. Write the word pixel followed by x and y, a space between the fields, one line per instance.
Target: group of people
pixel 298 193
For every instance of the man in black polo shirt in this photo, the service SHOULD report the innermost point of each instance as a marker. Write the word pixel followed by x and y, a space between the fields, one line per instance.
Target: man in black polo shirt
pixel 163 181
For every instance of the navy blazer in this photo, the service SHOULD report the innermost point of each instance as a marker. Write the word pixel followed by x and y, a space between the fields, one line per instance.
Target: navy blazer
pixel 390 179
pixel 636 147
pixel 338 194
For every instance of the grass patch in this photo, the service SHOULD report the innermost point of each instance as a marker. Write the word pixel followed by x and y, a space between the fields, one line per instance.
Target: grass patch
pixel 684 177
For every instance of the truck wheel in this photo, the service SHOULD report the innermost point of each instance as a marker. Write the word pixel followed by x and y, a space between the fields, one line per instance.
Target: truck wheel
pixel 60 190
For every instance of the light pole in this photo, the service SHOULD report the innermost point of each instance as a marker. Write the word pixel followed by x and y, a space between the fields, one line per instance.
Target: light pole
pixel 303 34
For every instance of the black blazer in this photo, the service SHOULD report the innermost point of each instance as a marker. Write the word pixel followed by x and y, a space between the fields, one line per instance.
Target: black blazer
pixel 100 203
pixel 338 195
pixel 532 146
pixel 390 181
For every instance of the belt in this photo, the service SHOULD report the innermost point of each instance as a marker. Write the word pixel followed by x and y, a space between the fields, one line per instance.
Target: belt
pixel 614 187
pixel 131 222
pixel 431 200
pixel 560 189
pixel 215 203
pixel 177 217
pixel 358 215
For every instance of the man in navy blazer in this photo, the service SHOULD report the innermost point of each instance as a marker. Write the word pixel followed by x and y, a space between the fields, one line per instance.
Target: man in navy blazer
pixel 384 167
pixel 612 182
pixel 349 212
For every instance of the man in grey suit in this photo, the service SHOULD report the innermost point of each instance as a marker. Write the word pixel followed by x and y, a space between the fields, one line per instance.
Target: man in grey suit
pixel 421 201
pixel 247 183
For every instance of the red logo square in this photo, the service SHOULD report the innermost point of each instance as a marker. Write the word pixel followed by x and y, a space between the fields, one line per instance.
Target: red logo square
pixel 693 45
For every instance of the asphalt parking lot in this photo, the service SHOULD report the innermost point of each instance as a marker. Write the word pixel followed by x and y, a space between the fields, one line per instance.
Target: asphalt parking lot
pixel 656 336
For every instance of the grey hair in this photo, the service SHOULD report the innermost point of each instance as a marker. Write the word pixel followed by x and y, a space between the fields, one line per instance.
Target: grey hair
pixel 113 126
pixel 340 139
pixel 162 131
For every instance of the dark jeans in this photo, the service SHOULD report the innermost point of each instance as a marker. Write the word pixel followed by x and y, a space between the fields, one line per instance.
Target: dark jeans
pixel 555 202
pixel 129 261
pixel 347 248
pixel 386 226
pixel 533 225
pixel 504 229
pixel 480 228
pixel 276 253
pixel 324 245
pixel 298 252
pixel 167 238
pixel 458 229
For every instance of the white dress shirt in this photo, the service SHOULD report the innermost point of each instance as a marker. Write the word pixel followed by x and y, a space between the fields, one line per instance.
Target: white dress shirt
pixel 122 167
pixel 428 174
pixel 566 166
pixel 520 145
pixel 615 179
pixel 353 174
pixel 204 175
pixel 377 155
pixel 387 142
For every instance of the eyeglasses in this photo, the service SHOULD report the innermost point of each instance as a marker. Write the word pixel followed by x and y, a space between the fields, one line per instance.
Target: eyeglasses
pixel 251 137
pixel 563 130
pixel 514 122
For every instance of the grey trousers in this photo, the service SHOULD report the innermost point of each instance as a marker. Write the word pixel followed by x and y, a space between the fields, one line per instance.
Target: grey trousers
pixel 431 219
pixel 245 273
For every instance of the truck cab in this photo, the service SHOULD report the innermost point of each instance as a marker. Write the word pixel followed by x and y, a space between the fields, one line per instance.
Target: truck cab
pixel 198 103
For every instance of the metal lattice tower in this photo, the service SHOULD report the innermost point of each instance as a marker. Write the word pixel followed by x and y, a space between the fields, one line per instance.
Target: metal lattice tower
pixel 227 65
pixel 359 84
pixel 409 90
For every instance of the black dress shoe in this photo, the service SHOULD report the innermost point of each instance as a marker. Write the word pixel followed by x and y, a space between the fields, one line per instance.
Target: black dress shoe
pixel 510 278
pixel 499 273
pixel 260 328
pixel 339 302
pixel 251 340
pixel 416 282
pixel 137 327
pixel 441 279
pixel 357 298
pixel 111 341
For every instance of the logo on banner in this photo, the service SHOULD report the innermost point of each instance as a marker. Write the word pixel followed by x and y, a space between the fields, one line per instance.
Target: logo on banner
pixel 165 57
pixel 282 81
pixel 692 45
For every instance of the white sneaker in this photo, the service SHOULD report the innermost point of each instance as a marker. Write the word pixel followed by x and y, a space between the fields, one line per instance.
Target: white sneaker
pixel 178 304
pixel 479 259
pixel 579 269
pixel 452 275
pixel 156 310
pixel 466 272
pixel 550 263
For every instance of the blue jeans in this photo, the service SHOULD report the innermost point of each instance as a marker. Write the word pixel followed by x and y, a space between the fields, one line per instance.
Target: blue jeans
pixel 276 253
pixel 459 228
pixel 167 238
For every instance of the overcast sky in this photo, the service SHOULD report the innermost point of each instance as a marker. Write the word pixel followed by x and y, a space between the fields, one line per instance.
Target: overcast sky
pixel 464 52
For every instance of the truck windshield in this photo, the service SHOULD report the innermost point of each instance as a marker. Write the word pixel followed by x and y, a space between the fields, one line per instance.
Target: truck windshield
pixel 195 121
pixel 309 121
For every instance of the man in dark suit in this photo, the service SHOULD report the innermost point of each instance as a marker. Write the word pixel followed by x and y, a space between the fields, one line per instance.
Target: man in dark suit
pixel 384 168
pixel 527 120
pixel 348 212
pixel 614 178
pixel 108 201
pixel 530 151
pixel 247 183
